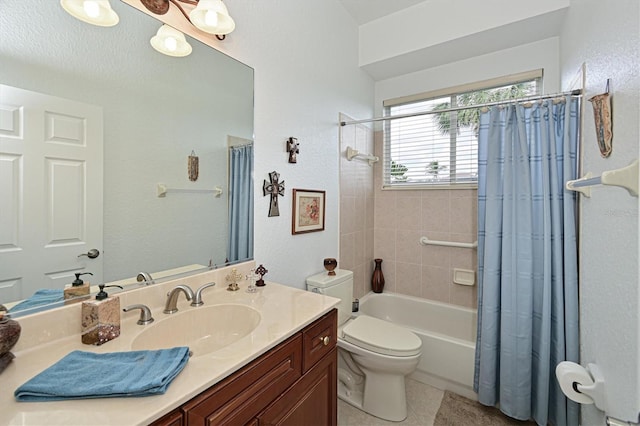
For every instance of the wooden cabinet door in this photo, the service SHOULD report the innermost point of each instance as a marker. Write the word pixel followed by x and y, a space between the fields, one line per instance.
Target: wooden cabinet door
pixel 240 397
pixel 319 339
pixel 312 400
pixel 174 418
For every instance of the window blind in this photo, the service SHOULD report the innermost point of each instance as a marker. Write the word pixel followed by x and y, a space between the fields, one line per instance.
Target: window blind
pixel 439 149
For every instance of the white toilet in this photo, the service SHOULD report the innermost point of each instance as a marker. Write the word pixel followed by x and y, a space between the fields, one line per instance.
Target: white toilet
pixel 374 355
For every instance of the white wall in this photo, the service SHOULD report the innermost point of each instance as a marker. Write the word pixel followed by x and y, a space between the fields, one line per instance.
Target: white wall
pixel 605 36
pixel 438 32
pixel 305 56
pixel 435 22
pixel 306 73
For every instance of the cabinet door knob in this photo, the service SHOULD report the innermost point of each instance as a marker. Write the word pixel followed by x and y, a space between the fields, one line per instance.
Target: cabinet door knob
pixel 325 340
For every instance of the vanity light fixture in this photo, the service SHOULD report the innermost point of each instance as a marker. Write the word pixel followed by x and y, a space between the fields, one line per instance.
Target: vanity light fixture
pixel 95 12
pixel 171 42
pixel 210 16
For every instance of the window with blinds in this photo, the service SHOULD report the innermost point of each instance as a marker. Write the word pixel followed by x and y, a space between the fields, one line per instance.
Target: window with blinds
pixel 438 148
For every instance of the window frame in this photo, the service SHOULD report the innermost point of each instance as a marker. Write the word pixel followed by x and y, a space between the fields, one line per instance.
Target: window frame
pixel 452 93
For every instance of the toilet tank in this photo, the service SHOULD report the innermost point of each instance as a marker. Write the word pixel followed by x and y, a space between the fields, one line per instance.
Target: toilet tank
pixel 339 285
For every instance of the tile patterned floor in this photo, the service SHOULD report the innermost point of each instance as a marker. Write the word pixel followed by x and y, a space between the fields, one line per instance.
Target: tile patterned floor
pixel 423 402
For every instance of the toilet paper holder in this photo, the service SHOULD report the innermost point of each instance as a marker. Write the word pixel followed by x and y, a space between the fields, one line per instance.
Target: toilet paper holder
pixel 594 390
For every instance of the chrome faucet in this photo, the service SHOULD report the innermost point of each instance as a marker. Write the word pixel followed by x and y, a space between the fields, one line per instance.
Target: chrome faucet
pixel 145 313
pixel 197 299
pixel 172 298
pixel 146 277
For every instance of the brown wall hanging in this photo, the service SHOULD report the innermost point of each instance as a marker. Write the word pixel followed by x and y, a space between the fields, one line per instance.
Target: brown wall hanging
pixel 603 120
pixel 293 148
pixel 193 166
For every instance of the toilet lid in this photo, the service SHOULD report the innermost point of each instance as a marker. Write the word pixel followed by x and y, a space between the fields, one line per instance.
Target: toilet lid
pixel 381 337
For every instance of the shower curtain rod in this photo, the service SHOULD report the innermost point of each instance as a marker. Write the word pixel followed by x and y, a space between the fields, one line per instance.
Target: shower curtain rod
pixel 577 92
pixel 240 145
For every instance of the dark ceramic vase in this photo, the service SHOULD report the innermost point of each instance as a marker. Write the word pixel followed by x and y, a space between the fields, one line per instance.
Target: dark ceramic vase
pixel 9 335
pixel 377 280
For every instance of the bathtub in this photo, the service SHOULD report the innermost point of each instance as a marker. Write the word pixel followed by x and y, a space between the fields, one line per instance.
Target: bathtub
pixel 448 335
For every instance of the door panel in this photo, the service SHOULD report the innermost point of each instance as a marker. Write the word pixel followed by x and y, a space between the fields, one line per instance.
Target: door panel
pixel 11 205
pixel 65 201
pixel 50 149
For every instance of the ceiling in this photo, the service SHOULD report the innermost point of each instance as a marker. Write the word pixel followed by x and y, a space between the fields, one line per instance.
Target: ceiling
pixel 543 22
pixel 364 11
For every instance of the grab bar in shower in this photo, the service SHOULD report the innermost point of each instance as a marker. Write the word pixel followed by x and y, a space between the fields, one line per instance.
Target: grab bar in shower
pixel 426 241
pixel 626 177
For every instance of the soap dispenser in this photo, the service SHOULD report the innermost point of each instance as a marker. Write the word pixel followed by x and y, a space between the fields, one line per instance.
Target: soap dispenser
pixel 78 287
pixel 101 318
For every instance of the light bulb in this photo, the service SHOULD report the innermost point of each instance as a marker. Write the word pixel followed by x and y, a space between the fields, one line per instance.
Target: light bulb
pixel 171 44
pixel 91 8
pixel 211 18
pixel 170 41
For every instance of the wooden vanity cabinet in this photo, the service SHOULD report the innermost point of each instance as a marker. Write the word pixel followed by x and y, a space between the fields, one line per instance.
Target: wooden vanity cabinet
pixel 294 383
pixel 174 418
pixel 311 401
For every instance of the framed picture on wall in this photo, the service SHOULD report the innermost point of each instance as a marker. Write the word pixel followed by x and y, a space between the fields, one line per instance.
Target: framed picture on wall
pixel 308 211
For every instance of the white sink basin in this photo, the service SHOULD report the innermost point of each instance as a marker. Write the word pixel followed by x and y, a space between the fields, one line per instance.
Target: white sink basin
pixel 203 330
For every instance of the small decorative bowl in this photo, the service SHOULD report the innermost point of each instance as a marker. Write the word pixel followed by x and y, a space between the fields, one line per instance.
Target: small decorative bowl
pixel 330 264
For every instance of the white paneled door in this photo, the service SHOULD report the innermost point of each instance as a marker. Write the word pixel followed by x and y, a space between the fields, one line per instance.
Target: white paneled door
pixel 50 191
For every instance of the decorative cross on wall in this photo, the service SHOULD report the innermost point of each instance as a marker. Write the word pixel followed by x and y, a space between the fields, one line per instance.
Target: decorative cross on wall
pixel 293 148
pixel 273 188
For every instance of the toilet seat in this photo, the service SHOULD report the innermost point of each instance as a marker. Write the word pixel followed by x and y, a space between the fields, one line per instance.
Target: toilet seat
pixel 381 337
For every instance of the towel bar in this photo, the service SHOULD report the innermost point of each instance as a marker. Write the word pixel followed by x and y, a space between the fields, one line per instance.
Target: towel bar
pixel 626 177
pixel 353 153
pixel 162 189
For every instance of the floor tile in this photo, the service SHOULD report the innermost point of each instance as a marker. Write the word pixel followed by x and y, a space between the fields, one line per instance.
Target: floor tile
pixel 423 402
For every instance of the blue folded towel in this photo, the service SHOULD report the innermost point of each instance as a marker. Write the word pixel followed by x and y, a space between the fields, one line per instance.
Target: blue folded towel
pixel 83 375
pixel 39 298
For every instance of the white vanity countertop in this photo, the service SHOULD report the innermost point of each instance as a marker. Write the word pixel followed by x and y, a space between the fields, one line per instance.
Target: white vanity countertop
pixel 284 311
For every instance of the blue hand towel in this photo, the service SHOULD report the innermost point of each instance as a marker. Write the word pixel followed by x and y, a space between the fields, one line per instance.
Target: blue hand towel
pixel 39 298
pixel 83 375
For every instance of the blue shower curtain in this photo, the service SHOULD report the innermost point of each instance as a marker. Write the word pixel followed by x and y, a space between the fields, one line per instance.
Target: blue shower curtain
pixel 527 258
pixel 240 246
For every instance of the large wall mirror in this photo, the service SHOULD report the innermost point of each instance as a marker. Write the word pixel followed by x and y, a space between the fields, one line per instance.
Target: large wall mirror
pixel 150 112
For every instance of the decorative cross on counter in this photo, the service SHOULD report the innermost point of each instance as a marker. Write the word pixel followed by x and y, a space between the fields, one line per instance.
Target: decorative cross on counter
pixel 273 188
pixel 261 271
pixel 233 279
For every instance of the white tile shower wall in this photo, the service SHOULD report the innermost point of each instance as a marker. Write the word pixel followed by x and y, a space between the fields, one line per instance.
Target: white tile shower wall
pixel 402 217
pixel 356 207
